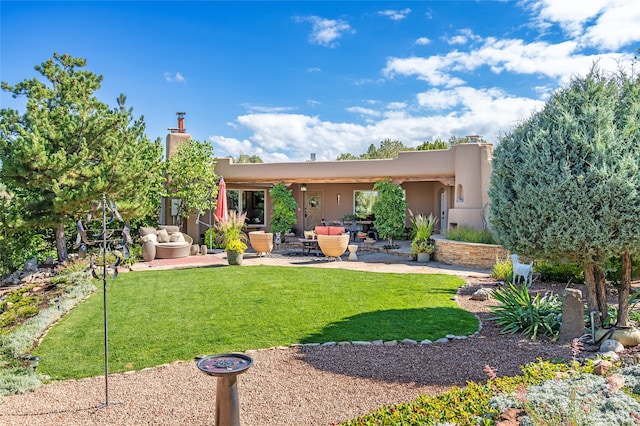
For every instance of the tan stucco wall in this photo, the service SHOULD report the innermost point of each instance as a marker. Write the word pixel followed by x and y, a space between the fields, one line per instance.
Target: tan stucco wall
pixel 472 175
pixel 422 174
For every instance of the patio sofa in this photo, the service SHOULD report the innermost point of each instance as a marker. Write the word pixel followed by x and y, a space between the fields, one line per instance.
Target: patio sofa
pixel 166 242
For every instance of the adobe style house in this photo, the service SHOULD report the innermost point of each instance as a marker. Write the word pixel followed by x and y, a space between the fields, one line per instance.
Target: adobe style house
pixel 451 184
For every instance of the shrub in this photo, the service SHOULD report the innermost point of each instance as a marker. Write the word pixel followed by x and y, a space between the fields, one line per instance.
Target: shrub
pixel 519 312
pixel 213 239
pixel 563 272
pixel 614 269
pixel 18 380
pixel 503 270
pixel 463 406
pixel 585 399
pixel 470 235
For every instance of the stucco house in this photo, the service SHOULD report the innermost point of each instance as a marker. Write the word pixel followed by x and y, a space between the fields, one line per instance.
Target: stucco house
pixel 451 184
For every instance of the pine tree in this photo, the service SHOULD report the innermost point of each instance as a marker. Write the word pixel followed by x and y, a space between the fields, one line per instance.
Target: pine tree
pixel 67 149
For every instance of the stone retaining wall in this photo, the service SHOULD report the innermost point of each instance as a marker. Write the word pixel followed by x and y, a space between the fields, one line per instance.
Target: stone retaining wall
pixel 470 255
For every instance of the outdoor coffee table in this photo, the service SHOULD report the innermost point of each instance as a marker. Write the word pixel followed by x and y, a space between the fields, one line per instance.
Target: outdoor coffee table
pixel 308 244
pixel 226 368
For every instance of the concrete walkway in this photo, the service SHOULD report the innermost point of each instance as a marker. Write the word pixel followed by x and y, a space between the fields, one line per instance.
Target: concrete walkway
pixel 373 259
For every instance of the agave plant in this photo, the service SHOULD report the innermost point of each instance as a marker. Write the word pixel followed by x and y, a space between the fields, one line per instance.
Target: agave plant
pixel 520 312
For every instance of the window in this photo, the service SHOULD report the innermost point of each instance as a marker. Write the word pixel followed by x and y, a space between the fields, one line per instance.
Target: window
pixel 251 202
pixel 363 203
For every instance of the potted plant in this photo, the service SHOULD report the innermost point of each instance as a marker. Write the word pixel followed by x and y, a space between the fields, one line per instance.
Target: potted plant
pixel 234 240
pixel 422 245
pixel 422 250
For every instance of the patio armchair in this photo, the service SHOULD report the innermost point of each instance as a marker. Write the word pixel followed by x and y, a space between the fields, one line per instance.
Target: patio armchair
pixel 333 245
pixel 261 242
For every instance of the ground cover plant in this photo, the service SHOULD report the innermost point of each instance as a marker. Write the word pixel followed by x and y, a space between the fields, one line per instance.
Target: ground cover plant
pixel 470 235
pixel 549 394
pixel 160 316
pixel 17 337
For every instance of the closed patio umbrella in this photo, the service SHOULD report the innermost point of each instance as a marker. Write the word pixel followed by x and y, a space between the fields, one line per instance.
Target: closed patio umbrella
pixel 221 207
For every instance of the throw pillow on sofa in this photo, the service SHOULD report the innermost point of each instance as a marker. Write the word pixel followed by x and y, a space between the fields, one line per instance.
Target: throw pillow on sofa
pixel 163 236
pixel 176 237
pixel 171 229
pixel 149 237
pixel 147 230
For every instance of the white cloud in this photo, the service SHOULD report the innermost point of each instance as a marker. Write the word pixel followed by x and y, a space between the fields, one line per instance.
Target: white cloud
pixel 617 26
pixel 447 105
pixel 606 24
pixel 174 78
pixel 396 15
pixel 230 146
pixel 292 137
pixel 430 69
pixel 559 61
pixel 325 32
pixel 364 111
pixel 396 105
pixel 565 13
pixel 465 35
pixel 266 109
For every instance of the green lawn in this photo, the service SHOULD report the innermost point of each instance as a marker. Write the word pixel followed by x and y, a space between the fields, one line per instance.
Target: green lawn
pixel 161 316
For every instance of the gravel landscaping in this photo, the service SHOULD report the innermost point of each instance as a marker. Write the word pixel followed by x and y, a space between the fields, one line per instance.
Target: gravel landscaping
pixel 285 386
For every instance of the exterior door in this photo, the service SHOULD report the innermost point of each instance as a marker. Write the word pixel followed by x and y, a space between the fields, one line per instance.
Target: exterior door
pixel 313 208
pixel 443 211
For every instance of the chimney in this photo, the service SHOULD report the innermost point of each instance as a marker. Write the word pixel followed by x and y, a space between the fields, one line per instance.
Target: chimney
pixel 313 156
pixel 181 128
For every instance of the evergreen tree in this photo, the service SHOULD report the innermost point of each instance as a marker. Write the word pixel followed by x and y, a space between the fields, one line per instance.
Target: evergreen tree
pixel 246 158
pixel 566 182
pixel 437 144
pixel 68 148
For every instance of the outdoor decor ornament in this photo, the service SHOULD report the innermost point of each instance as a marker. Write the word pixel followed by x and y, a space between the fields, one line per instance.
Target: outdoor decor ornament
pixel 108 242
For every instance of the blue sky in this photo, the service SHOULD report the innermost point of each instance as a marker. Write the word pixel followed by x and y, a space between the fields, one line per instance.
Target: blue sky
pixel 286 79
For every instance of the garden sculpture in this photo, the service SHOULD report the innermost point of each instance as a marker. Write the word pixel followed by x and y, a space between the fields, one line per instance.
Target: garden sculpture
pixel 522 270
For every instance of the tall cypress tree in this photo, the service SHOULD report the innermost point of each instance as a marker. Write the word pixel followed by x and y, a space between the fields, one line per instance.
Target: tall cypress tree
pixel 566 182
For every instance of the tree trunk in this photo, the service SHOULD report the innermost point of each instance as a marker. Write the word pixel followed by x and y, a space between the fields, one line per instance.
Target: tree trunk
pixel 590 282
pixel 601 291
pixel 596 295
pixel 625 290
pixel 61 243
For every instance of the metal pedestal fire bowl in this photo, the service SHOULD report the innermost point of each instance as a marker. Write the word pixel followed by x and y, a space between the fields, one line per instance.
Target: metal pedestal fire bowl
pixel 226 368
